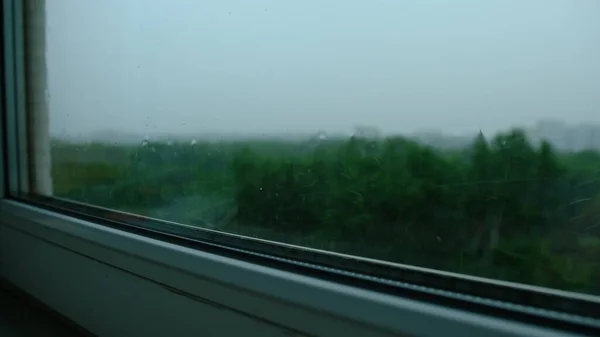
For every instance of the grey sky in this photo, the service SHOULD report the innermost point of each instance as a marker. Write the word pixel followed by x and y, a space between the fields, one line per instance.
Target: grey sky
pixel 280 65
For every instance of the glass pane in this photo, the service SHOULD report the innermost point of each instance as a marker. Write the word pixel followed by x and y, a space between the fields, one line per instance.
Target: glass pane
pixel 462 136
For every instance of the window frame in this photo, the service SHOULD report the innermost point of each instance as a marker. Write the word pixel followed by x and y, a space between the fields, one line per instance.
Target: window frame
pixel 463 292
pixel 191 272
pixel 13 98
pixel 168 259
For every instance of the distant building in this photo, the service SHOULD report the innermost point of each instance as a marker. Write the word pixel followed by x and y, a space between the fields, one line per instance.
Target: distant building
pixel 319 135
pixel 368 132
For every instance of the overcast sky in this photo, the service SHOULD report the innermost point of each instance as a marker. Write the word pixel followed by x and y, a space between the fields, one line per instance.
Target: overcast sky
pixel 301 65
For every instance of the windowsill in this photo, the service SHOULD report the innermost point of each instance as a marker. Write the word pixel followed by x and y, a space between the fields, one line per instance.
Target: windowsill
pixel 290 301
pixel 17 311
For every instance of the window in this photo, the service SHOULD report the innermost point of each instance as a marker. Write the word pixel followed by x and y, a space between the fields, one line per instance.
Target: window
pixel 418 142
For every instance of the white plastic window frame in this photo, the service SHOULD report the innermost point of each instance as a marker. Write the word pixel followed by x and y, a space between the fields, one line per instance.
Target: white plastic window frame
pixel 100 268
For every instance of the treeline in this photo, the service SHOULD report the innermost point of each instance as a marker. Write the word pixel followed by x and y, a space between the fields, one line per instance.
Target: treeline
pixel 500 208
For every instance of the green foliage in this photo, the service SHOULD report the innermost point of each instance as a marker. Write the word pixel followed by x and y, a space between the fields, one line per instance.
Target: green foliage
pixel 500 208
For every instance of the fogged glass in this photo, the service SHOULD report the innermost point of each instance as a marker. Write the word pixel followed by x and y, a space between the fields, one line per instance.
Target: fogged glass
pixel 458 135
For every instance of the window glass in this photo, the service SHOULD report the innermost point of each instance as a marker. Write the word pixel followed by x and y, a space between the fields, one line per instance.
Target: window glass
pixel 456 135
